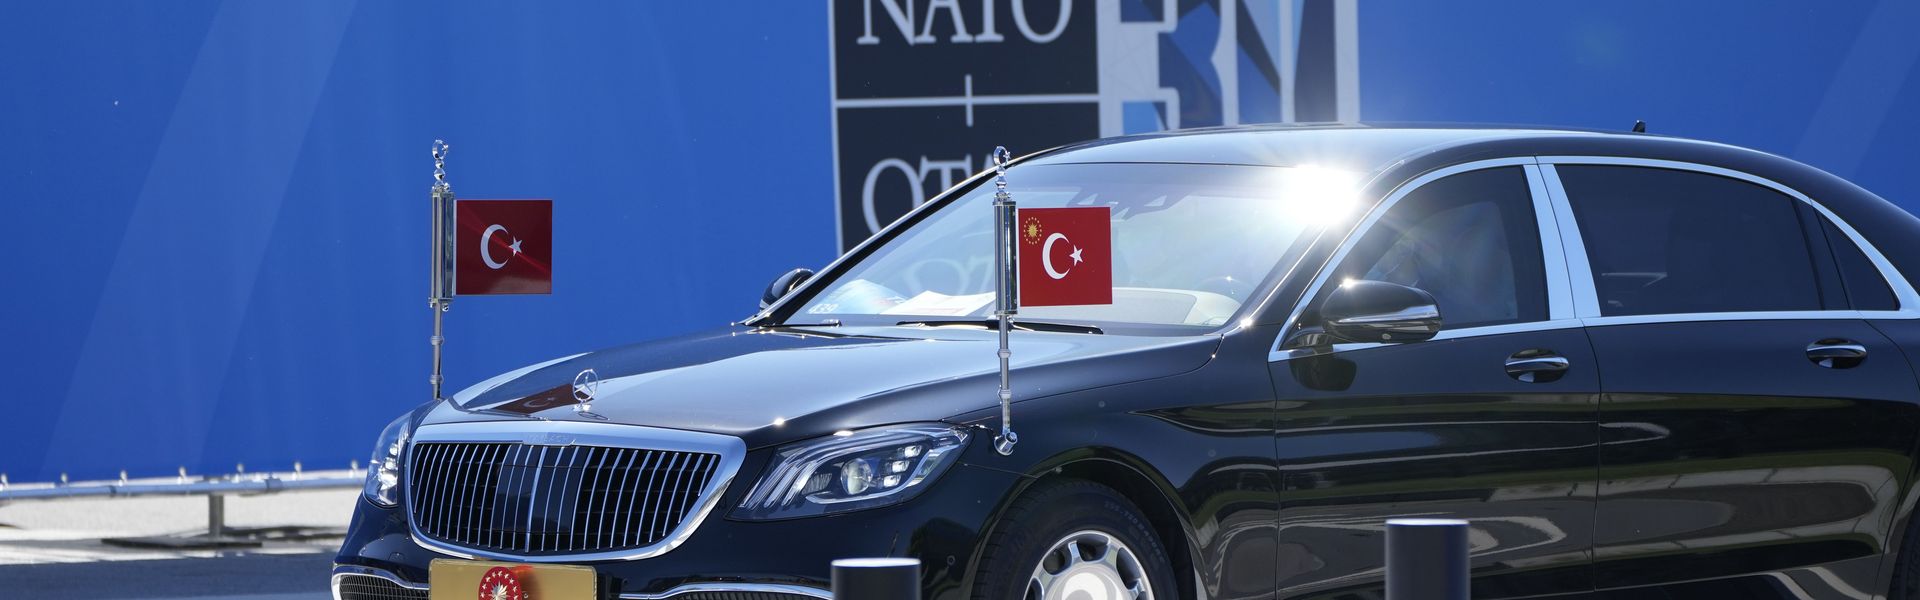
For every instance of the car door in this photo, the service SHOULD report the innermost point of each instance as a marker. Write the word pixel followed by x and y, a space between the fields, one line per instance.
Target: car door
pixel 1753 426
pixel 1477 423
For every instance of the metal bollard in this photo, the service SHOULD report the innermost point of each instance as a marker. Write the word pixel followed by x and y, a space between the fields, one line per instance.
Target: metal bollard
pixel 876 579
pixel 216 515
pixel 1427 559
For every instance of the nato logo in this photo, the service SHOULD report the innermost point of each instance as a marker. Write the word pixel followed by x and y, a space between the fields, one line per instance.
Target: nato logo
pixel 922 89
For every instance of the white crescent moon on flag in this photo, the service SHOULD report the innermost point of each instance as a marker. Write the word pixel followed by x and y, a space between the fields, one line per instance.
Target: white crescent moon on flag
pixel 487 257
pixel 1046 256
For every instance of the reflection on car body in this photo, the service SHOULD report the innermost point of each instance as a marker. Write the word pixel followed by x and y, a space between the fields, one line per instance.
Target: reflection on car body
pixel 1636 364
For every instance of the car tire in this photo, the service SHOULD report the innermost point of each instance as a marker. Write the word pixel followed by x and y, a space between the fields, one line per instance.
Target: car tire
pixel 1116 543
pixel 1906 566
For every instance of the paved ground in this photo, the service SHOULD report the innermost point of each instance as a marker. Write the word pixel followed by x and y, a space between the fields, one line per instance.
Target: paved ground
pixel 240 577
pixel 52 549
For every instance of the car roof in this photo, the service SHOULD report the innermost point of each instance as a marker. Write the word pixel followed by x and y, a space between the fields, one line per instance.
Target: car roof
pixel 1399 152
pixel 1360 147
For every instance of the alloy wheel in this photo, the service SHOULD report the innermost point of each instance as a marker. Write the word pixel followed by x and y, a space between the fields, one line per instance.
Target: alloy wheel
pixel 1089 565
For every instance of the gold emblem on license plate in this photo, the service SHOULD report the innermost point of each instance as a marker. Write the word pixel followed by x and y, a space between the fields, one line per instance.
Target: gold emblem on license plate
pixel 449 579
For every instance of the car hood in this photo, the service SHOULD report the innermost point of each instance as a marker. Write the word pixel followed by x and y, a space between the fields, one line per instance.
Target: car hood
pixel 772 385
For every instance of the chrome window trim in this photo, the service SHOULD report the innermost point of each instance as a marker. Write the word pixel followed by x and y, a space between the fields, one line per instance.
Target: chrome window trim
pixel 1553 253
pixel 732 452
pixel 762 588
pixel 1571 285
pixel 1587 299
pixel 342 571
pixel 1558 279
pixel 1766 315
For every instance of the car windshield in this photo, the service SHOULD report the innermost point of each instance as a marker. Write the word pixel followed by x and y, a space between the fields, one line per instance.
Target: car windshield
pixel 1190 244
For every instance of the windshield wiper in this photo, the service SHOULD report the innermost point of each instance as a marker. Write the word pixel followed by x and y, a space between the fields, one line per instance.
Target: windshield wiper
pixel 1021 324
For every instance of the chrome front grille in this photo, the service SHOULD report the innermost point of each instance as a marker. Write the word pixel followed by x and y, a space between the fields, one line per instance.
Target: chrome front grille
pixel 532 500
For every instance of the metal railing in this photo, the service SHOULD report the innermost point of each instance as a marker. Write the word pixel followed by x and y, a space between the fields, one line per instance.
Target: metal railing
pixel 231 484
pixel 215 488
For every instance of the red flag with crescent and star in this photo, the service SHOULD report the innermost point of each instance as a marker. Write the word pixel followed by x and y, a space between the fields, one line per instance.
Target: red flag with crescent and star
pixel 1066 256
pixel 503 247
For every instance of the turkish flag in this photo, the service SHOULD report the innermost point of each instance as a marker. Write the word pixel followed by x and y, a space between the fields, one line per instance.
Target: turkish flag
pixel 1066 256
pixel 503 247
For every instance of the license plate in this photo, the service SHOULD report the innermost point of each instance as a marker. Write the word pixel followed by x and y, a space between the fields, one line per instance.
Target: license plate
pixel 449 579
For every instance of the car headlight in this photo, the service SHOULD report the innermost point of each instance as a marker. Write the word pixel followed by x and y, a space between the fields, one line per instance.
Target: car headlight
pixel 852 471
pixel 383 470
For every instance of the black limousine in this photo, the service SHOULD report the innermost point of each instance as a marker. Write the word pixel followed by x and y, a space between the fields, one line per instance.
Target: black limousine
pixel 1637 365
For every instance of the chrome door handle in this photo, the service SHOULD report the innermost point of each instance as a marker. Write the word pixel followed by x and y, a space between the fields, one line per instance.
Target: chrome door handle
pixel 1836 353
pixel 1536 366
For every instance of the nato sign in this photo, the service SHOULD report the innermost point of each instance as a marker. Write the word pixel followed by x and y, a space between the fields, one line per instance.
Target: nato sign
pixel 924 89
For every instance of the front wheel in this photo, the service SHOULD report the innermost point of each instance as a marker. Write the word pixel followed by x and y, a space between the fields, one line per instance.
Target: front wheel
pixel 1906 564
pixel 1074 540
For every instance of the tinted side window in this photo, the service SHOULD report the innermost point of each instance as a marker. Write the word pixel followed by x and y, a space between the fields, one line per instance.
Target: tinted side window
pixel 1664 241
pixel 1866 288
pixel 1471 240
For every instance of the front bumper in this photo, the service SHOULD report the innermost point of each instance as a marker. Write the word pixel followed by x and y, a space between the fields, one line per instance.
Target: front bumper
pixel 367 583
pixel 783 559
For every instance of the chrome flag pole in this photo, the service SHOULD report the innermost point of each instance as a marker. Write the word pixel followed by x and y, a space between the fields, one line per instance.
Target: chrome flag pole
pixel 1006 291
pixel 440 295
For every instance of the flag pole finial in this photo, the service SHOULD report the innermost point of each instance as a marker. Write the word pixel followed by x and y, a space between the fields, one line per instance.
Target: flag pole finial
pixel 440 148
pixel 1006 292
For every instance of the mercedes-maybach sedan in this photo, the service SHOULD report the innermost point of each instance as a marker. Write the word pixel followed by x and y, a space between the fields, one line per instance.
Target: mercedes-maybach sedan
pixel 1637 365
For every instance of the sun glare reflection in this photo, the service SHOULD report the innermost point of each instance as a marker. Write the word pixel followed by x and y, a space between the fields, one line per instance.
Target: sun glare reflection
pixel 1321 195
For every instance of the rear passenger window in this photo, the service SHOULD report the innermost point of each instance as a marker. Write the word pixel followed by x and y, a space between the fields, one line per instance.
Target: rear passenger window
pixel 1662 241
pixel 1866 287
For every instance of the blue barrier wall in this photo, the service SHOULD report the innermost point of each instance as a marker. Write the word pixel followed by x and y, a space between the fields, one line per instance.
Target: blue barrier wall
pixel 217 211
pixel 1835 85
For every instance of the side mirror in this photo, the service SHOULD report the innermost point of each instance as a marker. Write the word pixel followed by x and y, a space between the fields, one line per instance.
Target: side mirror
pixel 1377 311
pixel 783 285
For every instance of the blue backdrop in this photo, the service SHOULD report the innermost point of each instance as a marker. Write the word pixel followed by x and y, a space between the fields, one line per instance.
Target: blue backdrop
pixel 217 214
